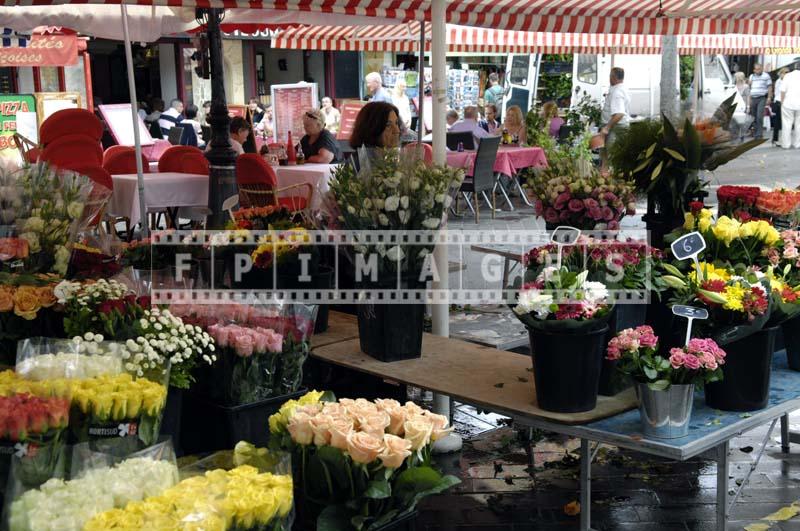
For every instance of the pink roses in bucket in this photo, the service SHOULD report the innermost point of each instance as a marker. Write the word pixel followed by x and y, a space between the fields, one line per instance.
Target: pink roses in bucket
pixel 246 341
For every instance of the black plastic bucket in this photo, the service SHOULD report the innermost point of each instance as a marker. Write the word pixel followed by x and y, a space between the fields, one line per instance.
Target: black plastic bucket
pixel 791 341
pixel 566 369
pixel 746 374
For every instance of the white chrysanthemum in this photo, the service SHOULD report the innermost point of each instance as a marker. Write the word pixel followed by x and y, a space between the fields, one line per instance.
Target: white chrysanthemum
pixel 534 301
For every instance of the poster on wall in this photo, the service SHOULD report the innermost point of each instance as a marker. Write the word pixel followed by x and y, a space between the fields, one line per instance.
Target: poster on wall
pixel 10 106
pixel 349 112
pixel 289 103
pixel 120 123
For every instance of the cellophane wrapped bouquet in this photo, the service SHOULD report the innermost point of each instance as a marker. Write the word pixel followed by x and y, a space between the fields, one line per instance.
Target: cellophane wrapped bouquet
pixel 360 464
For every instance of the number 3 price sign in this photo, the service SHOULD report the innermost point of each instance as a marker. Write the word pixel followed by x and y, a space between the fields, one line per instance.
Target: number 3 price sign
pixel 690 313
pixel 564 236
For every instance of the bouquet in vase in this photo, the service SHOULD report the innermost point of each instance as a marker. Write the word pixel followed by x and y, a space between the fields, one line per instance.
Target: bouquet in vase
pixel 362 464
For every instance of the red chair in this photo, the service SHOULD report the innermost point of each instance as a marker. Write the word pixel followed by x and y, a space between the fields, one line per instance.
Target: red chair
pixel 112 150
pixel 196 163
pixel 70 122
pixel 413 148
pixel 258 185
pixel 171 159
pixel 124 162
pixel 70 151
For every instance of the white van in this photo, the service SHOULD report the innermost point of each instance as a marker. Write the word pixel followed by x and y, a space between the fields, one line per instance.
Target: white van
pixel 590 74
pixel 522 80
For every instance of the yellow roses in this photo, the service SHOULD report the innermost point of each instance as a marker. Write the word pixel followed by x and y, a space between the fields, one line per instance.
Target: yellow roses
pixel 219 500
pixel 118 397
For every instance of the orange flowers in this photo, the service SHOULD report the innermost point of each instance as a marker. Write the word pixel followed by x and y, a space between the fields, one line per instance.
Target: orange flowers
pixel 778 202
pixel 26 301
pixel 11 248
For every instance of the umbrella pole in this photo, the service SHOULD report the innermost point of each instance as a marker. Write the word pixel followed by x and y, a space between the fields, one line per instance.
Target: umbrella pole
pixel 135 117
pixel 421 93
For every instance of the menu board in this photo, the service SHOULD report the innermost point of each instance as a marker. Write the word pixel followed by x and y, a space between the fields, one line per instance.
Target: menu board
pixel 120 123
pixel 349 111
pixel 289 103
pixel 237 110
pixel 10 106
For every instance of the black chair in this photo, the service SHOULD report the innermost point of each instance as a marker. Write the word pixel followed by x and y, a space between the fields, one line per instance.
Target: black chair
pixel 482 176
pixel 155 130
pixel 174 136
pixel 465 138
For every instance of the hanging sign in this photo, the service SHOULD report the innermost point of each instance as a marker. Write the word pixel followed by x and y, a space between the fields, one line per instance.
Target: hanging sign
pixel 10 106
pixel 289 104
pixel 41 50
pixel 349 113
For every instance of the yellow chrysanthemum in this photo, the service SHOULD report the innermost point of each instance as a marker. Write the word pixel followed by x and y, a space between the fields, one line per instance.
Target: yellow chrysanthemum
pixel 734 295
pixel 710 272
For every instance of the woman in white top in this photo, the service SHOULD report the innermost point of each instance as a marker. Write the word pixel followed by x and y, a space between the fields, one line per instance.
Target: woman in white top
pixel 331 114
pixel 400 101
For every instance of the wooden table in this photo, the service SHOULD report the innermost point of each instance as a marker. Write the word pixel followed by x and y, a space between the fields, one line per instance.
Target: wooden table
pixel 341 327
pixel 472 374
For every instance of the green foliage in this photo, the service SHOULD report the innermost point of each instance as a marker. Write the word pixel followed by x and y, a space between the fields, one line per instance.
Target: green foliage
pixel 686 73
pixel 555 86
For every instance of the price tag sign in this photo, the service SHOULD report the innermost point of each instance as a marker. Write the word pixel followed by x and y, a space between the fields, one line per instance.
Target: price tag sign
pixel 690 313
pixel 562 236
pixel 688 247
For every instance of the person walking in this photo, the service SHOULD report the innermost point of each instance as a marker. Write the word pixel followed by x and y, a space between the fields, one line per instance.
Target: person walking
pixel 375 88
pixel 760 97
pixel 401 101
pixel 790 108
pixel 616 114
pixel 494 94
pixel 744 91
pixel 776 107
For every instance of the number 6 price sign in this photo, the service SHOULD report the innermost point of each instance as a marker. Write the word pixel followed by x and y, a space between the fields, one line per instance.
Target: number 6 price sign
pixel 563 236
pixel 689 246
pixel 690 313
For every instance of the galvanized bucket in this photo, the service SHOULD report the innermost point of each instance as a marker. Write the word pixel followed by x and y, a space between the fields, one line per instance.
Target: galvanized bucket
pixel 665 414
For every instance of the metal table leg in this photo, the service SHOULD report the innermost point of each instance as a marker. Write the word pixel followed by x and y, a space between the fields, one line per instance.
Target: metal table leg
pixel 722 485
pixel 785 440
pixel 586 485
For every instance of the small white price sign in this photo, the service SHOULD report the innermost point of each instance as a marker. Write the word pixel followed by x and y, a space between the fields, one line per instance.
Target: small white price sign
pixel 690 313
pixel 563 236
pixel 688 247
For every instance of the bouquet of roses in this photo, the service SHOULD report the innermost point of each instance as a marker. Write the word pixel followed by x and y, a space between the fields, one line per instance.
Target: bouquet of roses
pixel 27 308
pixel 636 351
pixel 239 499
pixel 738 304
pixel 11 383
pixel 12 251
pixel 51 359
pixel 146 254
pixel 628 264
pixel 281 247
pixel 738 202
pixel 251 360
pixel 60 505
pixel 779 202
pixel 87 262
pixel 583 198
pixel 259 218
pixel 561 299
pixel 106 307
pixel 363 462
pixel 393 191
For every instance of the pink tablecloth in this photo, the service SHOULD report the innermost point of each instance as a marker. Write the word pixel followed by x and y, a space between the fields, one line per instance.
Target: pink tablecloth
pixel 161 190
pixel 508 162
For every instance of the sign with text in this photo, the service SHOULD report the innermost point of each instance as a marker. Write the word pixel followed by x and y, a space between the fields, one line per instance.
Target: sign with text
pixel 690 312
pixel 120 121
pixel 289 104
pixel 688 246
pixel 10 106
pixel 42 50
pixel 349 112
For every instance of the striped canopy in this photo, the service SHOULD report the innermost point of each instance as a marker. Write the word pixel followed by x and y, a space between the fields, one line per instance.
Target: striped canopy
pixel 641 17
pixel 405 38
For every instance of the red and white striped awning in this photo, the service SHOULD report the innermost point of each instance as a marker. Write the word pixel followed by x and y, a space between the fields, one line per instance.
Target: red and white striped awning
pixel 405 38
pixel 639 17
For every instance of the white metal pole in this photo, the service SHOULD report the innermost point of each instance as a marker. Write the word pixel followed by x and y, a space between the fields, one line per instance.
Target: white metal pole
pixel 697 93
pixel 135 117
pixel 421 83
pixel 441 311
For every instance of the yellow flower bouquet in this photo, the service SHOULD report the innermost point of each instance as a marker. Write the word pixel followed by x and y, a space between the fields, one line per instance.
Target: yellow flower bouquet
pixel 242 499
pixel 369 461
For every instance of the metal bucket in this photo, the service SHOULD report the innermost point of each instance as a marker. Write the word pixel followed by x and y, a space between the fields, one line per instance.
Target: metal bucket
pixel 665 414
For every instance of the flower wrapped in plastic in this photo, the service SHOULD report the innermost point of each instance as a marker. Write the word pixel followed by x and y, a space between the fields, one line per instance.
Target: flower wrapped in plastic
pixel 561 300
pixel 360 461
pixel 27 308
pixel 60 505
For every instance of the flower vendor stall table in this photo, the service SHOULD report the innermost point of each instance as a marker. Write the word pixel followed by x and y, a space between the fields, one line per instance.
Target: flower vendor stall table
pixel 508 162
pixel 162 190
pixel 341 327
pixel 502 382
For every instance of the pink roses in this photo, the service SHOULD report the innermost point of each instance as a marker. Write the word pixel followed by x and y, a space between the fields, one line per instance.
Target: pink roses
pixel 246 341
pixel 630 340
pixel 698 354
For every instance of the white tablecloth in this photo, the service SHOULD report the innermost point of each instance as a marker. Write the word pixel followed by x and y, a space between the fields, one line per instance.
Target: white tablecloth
pixel 318 175
pixel 161 190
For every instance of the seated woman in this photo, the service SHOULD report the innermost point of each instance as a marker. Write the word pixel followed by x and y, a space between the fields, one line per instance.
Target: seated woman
pixel 318 144
pixel 553 121
pixel 377 126
pixel 239 132
pixel 514 123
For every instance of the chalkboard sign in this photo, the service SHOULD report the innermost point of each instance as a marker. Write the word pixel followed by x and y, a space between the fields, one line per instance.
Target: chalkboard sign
pixel 690 312
pixel 565 235
pixel 688 246
pixel 118 118
pixel 289 104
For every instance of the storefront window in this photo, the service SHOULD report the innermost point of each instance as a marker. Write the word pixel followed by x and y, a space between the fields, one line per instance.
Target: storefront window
pixel 519 70
pixel 587 68
pixel 49 76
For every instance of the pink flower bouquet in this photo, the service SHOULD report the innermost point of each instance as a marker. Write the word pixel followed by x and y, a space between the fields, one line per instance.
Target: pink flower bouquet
pixel 636 350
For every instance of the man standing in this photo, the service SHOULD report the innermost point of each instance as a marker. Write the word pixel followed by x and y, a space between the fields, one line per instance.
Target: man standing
pixel 760 97
pixel 171 117
pixel 616 108
pixel 494 94
pixel 790 109
pixel 375 88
